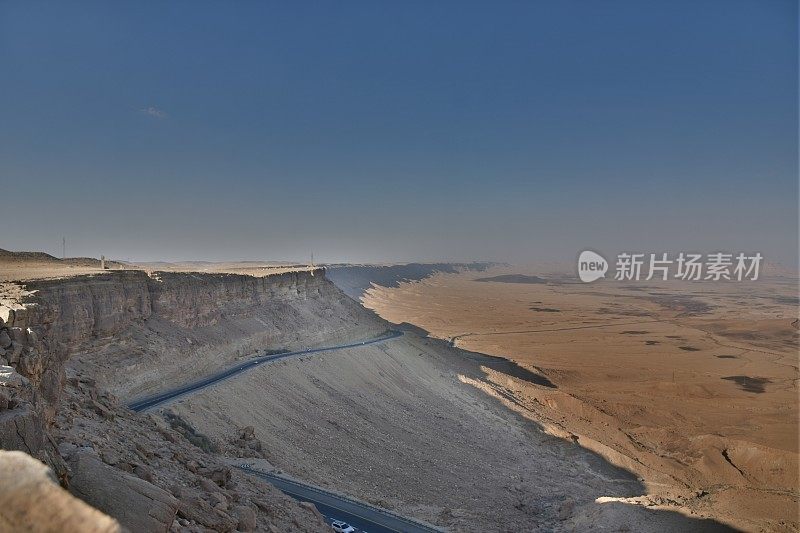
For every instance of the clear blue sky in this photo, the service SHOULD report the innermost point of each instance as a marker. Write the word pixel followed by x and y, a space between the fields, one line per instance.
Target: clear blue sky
pixel 372 131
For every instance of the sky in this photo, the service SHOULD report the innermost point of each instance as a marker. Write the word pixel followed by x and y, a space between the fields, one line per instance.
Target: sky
pixel 372 131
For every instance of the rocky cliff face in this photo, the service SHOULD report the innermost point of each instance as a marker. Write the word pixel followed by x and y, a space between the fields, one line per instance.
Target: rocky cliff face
pixel 144 331
pixel 355 279
pixel 129 334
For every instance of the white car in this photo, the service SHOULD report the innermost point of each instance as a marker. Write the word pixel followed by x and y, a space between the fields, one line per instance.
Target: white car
pixel 342 527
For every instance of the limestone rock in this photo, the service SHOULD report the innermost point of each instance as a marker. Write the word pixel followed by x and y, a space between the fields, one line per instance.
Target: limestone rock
pixel 193 507
pixel 31 501
pixel 137 504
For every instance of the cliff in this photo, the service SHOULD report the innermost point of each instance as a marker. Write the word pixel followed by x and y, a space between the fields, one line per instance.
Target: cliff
pixel 71 347
pixel 354 280
pixel 147 330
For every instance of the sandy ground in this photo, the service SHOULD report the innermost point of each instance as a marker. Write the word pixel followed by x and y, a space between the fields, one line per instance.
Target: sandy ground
pixel 693 387
pixel 404 426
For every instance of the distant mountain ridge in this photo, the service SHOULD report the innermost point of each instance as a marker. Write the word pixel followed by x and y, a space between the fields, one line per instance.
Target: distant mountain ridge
pixel 354 280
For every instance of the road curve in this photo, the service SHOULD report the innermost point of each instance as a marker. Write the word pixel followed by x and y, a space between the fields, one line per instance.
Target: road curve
pixel 360 515
pixel 155 400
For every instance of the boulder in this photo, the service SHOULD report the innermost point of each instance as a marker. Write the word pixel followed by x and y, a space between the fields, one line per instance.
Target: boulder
pixel 218 500
pixel 21 428
pixel 193 507
pixel 6 315
pixel 30 500
pixel 221 475
pixel 137 504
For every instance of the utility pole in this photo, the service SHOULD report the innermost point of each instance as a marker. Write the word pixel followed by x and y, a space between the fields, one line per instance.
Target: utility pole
pixel 63 247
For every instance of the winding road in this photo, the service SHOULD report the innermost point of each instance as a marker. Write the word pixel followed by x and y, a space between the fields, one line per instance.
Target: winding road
pixel 363 516
pixel 161 398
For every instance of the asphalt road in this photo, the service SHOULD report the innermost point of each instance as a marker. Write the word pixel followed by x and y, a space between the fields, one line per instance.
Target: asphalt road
pixel 365 518
pixel 155 400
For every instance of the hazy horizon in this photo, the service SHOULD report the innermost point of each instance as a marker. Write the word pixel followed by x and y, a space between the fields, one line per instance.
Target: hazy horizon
pixel 360 132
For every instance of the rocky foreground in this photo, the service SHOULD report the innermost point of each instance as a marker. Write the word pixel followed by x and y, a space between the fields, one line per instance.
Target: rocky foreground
pixel 145 473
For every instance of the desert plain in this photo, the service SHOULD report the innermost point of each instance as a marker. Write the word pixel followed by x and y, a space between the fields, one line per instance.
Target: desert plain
pixel 691 386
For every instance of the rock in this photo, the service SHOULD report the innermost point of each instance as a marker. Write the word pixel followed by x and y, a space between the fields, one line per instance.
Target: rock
pixel 15 385
pixel 21 426
pixel 6 315
pixel 193 507
pixel 246 517
pixel 67 449
pixel 217 499
pixel 110 457
pixel 208 485
pixel 5 339
pixel 311 508
pixel 566 509
pixel 264 507
pixel 220 475
pixel 17 334
pixel 31 364
pixel 247 433
pixel 137 504
pixel 31 501
pixel 125 466
pixel 15 352
pixel 142 472
pixel 31 336
pixel 102 410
